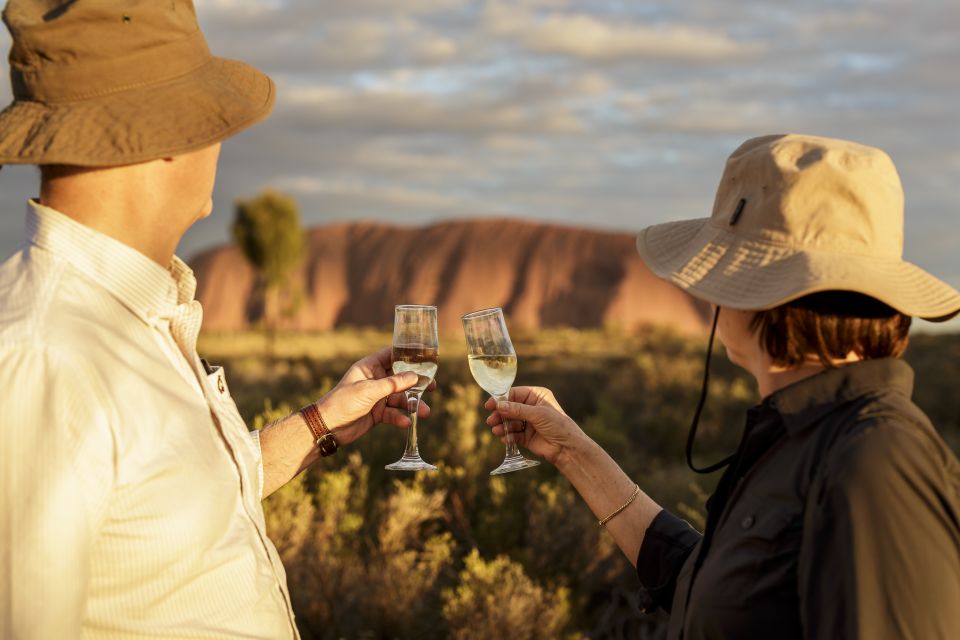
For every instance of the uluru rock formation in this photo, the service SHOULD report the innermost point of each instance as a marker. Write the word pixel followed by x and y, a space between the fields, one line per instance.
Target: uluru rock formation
pixel 542 275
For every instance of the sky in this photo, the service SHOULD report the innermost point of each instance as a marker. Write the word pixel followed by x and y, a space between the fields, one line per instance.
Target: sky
pixel 611 114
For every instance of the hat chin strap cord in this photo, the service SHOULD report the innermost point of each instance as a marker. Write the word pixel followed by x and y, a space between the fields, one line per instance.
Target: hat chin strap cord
pixel 692 435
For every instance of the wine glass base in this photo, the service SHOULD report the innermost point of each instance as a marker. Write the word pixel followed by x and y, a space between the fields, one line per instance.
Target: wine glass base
pixel 410 464
pixel 514 464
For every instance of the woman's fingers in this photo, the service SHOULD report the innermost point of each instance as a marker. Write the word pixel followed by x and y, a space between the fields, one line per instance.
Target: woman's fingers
pixel 513 426
pixel 518 411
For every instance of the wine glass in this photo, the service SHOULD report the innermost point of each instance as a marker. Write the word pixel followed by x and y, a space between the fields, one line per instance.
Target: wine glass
pixel 415 348
pixel 493 363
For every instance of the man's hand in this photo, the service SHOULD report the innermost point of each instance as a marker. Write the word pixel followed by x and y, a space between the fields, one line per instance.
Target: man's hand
pixel 369 394
pixel 366 395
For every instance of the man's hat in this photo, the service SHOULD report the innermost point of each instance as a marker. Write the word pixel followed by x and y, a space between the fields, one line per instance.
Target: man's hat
pixel 796 215
pixel 101 83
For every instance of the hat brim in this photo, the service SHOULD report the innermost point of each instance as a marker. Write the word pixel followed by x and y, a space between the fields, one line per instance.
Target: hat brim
pixel 715 265
pixel 190 112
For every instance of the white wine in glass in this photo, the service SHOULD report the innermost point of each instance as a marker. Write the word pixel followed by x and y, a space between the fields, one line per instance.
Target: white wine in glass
pixel 493 363
pixel 415 348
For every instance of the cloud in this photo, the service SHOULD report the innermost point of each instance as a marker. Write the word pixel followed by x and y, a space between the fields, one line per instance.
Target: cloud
pixel 590 37
pixel 270 13
pixel 369 196
pixel 395 111
pixel 435 49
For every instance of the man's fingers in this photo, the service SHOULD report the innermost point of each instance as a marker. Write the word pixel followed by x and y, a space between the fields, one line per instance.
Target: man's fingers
pixel 399 401
pixel 396 417
pixel 385 387
pixel 383 357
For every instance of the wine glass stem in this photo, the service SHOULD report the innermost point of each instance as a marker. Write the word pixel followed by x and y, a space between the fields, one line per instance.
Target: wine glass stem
pixel 413 407
pixel 513 451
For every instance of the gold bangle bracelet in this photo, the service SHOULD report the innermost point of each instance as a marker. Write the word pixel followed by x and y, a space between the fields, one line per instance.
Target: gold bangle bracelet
pixel 633 496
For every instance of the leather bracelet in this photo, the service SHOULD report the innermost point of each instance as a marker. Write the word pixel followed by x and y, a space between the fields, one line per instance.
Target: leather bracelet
pixel 325 441
pixel 633 496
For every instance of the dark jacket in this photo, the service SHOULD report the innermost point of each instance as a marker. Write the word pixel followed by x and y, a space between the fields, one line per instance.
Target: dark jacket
pixel 839 517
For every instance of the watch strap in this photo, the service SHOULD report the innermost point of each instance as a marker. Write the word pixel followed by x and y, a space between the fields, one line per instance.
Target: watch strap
pixel 324 439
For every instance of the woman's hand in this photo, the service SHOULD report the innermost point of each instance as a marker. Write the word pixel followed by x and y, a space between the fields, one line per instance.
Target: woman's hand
pixel 369 394
pixel 537 422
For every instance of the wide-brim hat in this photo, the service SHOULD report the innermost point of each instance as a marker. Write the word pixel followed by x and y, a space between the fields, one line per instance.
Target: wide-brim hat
pixel 796 215
pixel 103 83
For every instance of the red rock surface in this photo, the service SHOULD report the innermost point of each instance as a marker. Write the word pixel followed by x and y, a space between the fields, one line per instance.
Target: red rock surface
pixel 542 275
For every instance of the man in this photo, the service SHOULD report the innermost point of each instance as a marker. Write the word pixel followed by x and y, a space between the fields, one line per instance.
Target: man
pixel 130 487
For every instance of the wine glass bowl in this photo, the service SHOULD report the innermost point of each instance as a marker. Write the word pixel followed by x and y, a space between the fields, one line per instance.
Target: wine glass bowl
pixel 415 348
pixel 493 364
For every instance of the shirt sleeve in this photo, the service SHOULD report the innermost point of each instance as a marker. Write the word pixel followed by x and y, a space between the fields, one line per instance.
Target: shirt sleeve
pixel 666 546
pixel 57 469
pixel 880 556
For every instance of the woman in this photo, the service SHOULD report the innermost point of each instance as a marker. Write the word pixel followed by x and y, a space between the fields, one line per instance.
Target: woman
pixel 839 514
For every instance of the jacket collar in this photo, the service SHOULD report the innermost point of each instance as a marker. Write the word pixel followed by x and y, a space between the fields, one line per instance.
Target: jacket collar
pixel 803 403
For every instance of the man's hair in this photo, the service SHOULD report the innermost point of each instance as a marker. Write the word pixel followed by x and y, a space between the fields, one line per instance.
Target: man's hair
pixel 53 171
pixel 829 325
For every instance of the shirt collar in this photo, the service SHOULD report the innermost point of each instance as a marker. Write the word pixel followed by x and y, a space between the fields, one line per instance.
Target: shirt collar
pixel 139 283
pixel 803 403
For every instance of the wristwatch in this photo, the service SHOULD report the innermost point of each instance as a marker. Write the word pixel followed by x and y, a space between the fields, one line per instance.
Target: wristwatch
pixel 325 441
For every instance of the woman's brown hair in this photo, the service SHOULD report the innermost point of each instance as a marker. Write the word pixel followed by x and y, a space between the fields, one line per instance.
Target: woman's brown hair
pixel 828 326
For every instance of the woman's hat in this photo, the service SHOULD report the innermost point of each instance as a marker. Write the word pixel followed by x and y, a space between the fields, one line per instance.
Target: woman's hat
pixel 100 83
pixel 796 215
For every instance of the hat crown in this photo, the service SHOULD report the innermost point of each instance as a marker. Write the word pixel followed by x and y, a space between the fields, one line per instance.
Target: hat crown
pixel 71 49
pixel 813 193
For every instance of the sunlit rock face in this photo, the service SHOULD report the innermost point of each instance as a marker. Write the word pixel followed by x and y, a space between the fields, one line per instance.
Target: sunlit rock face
pixel 542 275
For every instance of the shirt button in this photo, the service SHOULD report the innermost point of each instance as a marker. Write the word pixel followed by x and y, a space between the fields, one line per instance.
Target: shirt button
pixel 747 522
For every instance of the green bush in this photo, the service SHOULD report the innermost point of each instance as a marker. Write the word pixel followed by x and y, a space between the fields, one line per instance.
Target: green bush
pixel 496 599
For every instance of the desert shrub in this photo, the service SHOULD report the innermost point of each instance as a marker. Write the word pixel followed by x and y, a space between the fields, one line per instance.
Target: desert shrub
pixel 352 575
pixel 496 599
pixel 374 554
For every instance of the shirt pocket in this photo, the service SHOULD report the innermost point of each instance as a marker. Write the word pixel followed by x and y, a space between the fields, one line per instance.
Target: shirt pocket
pixel 769 546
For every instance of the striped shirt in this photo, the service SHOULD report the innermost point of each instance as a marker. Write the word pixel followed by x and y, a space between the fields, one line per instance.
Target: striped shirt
pixel 129 485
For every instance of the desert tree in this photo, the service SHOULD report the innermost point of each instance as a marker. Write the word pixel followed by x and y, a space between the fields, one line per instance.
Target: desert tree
pixel 267 229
